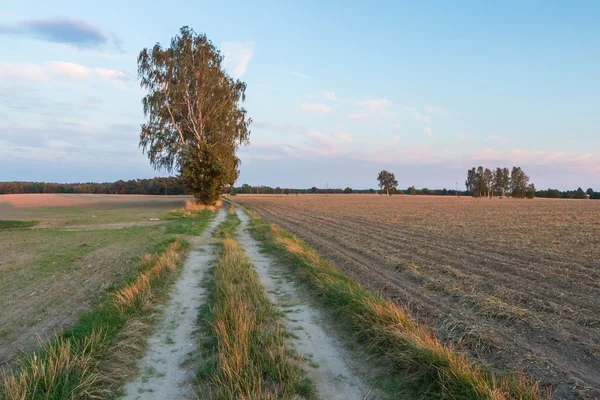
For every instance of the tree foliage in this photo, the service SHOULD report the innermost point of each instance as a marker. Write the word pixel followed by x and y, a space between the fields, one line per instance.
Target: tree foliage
pixel 387 182
pixel 194 118
pixel 484 183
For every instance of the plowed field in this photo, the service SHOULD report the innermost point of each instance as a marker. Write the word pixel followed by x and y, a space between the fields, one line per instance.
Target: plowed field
pixel 516 283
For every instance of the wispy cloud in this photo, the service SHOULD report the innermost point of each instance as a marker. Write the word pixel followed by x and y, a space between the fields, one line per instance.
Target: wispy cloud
pixel 346 137
pixel 439 110
pixel 60 71
pixel 76 33
pixel 429 132
pixel 357 115
pixel 237 56
pixel 72 122
pixel 70 70
pixel 316 108
pixel 464 136
pixel 415 114
pixel 329 95
pixel 374 105
pixel 300 75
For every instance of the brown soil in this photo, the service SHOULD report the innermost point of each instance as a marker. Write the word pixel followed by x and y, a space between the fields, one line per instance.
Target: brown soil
pixel 42 200
pixel 514 283
pixel 69 200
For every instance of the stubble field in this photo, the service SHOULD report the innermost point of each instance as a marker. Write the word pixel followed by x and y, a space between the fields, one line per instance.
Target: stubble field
pixel 59 253
pixel 514 283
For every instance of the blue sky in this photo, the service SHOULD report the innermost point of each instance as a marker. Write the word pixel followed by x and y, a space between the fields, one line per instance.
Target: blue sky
pixel 337 90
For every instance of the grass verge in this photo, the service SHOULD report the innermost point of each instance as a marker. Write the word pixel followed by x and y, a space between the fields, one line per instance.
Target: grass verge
pixel 10 224
pixel 93 358
pixel 180 222
pixel 435 371
pixel 245 340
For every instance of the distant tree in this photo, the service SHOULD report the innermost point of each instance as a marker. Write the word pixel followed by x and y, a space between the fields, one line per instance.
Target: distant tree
pixel 530 192
pixel 590 192
pixel 502 180
pixel 194 119
pixel 444 192
pixel 348 190
pixel 425 191
pixel 518 183
pixel 488 182
pixel 471 181
pixel 314 189
pixel 412 191
pixel 580 194
pixel 387 181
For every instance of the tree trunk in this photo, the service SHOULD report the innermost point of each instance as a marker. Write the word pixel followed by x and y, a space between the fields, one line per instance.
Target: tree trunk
pixel 387 190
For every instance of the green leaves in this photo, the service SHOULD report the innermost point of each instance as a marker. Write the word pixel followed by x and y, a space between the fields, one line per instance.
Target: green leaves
pixel 194 119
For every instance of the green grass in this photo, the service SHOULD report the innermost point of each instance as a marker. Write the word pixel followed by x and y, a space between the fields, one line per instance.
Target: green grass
pixel 426 368
pixel 10 224
pixel 95 356
pixel 98 352
pixel 243 338
pixel 34 254
pixel 181 225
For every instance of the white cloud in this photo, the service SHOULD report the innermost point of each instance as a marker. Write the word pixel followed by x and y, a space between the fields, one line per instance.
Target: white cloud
pixel 59 144
pixel 346 137
pixel 329 95
pixel 300 75
pixel 70 70
pixel 357 115
pixel 429 132
pixel 237 56
pixel 61 72
pixel 25 71
pixel 71 122
pixel 439 110
pixel 415 114
pixel 464 136
pixel 374 105
pixel 316 108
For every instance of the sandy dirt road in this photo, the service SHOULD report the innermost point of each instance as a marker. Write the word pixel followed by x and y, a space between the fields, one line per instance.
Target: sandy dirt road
pixel 163 373
pixel 337 373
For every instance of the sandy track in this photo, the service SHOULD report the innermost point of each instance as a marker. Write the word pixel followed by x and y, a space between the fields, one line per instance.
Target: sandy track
pixel 332 368
pixel 446 279
pixel 162 372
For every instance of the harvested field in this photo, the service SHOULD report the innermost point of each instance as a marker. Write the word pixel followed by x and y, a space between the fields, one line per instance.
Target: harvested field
pixel 76 247
pixel 515 283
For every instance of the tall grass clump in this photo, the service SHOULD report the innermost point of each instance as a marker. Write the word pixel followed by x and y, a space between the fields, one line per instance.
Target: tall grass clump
pixel 248 358
pixel 434 370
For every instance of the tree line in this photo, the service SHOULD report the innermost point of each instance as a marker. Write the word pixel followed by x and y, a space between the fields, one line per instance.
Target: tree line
pixel 154 186
pixel 569 194
pixel 483 182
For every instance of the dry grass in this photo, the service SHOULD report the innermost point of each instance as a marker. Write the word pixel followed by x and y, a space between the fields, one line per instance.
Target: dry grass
pixel 192 205
pixel 438 370
pixel 58 370
pixel 250 359
pixel 138 294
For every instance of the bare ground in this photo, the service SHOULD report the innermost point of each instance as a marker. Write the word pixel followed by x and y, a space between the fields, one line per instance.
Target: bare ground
pixel 511 297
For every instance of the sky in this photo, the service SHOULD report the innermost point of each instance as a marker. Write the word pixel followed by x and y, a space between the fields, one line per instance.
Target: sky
pixel 337 90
